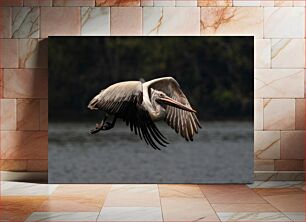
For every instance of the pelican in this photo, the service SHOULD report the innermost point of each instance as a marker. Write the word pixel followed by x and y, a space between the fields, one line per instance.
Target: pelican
pixel 140 105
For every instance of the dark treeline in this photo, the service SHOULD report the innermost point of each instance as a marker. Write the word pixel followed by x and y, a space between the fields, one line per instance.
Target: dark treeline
pixel 216 73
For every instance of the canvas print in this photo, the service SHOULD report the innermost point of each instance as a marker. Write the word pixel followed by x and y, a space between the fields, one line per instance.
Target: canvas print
pixel 151 109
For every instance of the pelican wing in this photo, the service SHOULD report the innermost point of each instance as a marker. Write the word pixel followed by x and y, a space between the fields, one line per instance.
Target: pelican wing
pixel 183 122
pixel 124 100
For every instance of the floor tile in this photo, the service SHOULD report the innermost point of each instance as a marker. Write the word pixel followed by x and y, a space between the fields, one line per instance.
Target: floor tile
pixel 71 204
pixel 286 199
pixel 262 207
pixel 18 208
pixel 296 216
pixel 82 190
pixel 130 214
pixel 276 184
pixel 173 190
pixel 251 216
pixel 230 194
pixel 63 216
pixel 140 195
pixel 187 209
pixel 9 188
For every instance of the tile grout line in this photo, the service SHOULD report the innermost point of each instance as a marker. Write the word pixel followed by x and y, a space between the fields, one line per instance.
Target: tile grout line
pixel 161 208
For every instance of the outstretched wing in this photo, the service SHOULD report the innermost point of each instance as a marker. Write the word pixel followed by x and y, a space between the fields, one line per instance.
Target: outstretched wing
pixel 183 122
pixel 124 100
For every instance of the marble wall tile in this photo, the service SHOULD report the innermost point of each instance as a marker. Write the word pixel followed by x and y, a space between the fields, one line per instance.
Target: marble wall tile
pixel 5 3
pixel 25 83
pixel 146 2
pixel 160 21
pixel 258 114
pixel 289 165
pixel 73 2
pixel 63 216
pixel 27 114
pixel 37 165
pixel 24 144
pixel 118 2
pixel 37 2
pixel 5 22
pixel 13 165
pixel 279 83
pixel 130 214
pixel 284 22
pixel 263 53
pixel 283 3
pixel 187 209
pixel 43 114
pixel 8 114
pixel 1 83
pixel 300 114
pixel 52 16
pixel 25 22
pixel 8 53
pixel 279 175
pixel 299 3
pixel 261 165
pixel 267 145
pixel 33 53
pixel 249 3
pixel 163 3
pixel 232 21
pixel 220 3
pixel 254 216
pixel 305 82
pixel 267 3
pixel 284 49
pixel 126 21
pixel 95 21
pixel 292 144
pixel 186 3
pixel 279 114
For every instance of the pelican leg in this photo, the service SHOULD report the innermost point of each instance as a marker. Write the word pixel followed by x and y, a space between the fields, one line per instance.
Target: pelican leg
pixel 103 125
pixel 109 125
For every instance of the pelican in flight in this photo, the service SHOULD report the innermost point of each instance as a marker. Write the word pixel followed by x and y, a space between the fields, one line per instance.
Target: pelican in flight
pixel 141 104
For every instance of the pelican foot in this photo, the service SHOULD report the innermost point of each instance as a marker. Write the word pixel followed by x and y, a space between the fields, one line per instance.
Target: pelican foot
pixel 101 126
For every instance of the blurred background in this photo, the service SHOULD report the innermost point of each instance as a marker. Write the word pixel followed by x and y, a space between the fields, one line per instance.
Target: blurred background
pixel 215 73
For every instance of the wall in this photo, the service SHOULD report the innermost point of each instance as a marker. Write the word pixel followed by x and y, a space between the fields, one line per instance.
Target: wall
pixel 278 27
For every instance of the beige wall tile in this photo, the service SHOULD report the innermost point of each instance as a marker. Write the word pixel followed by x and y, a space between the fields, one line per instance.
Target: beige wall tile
pixel 51 17
pixel 8 53
pixel 267 145
pixel 13 165
pixel 159 21
pixel 300 114
pixel 299 3
pixel 283 3
pixel 279 83
pixel 25 83
pixel 292 144
pixel 27 114
pixel 279 114
pixel 118 3
pixel 263 53
pixel 163 3
pixel 249 3
pixel 232 21
pixel 264 165
pixel 37 2
pixel 95 21
pixel 1 83
pixel 267 3
pixel 37 165
pixel 207 3
pixel 289 165
pixel 73 2
pixel 33 53
pixel 43 117
pixel 258 114
pixel 8 114
pixel 5 22
pixel 186 3
pixel 284 22
pixel 24 144
pixel 146 2
pixel 126 21
pixel 283 50
pixel 4 3
pixel 25 22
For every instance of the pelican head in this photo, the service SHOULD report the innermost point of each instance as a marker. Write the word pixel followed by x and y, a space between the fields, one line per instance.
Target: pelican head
pixel 160 98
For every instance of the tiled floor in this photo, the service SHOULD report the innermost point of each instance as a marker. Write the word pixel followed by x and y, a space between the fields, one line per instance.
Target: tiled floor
pixel 261 201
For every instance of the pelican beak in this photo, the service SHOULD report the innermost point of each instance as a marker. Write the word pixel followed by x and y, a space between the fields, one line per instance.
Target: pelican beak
pixel 171 102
